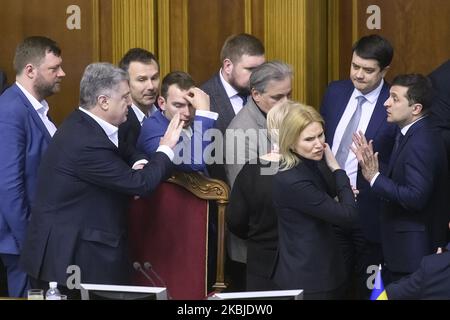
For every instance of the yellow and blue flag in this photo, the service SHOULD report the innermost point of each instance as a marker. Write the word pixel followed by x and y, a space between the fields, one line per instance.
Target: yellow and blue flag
pixel 378 292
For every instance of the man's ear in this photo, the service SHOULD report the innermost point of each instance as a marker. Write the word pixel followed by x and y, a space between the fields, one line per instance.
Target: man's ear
pixel 227 66
pixel 417 109
pixel 162 102
pixel 29 71
pixel 256 95
pixel 102 100
pixel 385 71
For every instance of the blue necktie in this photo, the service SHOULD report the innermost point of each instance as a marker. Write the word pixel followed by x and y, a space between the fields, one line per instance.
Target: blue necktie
pixel 346 141
pixel 243 96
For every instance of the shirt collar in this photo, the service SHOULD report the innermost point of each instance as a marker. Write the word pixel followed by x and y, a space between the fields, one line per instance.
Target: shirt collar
pixel 405 129
pixel 372 96
pixel 228 88
pixel 139 114
pixel 40 107
pixel 108 128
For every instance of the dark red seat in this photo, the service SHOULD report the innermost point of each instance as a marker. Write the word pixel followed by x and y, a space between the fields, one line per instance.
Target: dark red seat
pixel 169 229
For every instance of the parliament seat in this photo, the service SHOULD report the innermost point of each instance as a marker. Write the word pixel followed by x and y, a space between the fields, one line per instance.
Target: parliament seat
pixel 170 228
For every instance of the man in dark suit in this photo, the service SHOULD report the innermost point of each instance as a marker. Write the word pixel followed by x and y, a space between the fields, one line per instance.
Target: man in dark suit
pixel 414 189
pixel 430 281
pixel 143 70
pixel 3 82
pixel 84 186
pixel 229 88
pixel 440 109
pixel 26 133
pixel 240 55
pixel 371 58
pixel 180 96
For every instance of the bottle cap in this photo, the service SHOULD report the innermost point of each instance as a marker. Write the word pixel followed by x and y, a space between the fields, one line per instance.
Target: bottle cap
pixel 53 284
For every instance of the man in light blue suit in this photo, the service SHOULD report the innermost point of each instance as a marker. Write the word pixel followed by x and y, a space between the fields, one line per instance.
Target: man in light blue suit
pixel 365 91
pixel 179 95
pixel 26 131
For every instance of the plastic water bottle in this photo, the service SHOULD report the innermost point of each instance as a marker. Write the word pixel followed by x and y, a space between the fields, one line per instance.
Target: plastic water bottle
pixel 53 292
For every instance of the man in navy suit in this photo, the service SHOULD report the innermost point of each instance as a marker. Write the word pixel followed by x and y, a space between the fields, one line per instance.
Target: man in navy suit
pixel 371 58
pixel 440 110
pixel 26 133
pixel 143 70
pixel 414 188
pixel 84 186
pixel 430 281
pixel 180 96
pixel 229 88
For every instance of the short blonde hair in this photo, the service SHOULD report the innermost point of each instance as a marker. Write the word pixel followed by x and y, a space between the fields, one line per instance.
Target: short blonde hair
pixel 275 117
pixel 293 125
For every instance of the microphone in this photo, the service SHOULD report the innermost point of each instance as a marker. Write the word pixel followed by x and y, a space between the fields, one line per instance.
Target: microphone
pixel 137 266
pixel 149 268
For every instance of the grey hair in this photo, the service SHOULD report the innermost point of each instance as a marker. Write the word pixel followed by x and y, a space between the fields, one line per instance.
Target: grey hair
pixel 99 78
pixel 268 71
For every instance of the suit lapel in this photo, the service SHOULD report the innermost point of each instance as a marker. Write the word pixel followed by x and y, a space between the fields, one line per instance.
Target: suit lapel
pixel 339 108
pixel 260 120
pixel 34 115
pixel 410 133
pixel 225 109
pixel 96 127
pixel 379 114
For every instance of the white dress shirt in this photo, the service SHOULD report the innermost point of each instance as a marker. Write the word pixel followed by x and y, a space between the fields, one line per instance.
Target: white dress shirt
pixel 232 94
pixel 41 108
pixel 351 165
pixel 140 115
pixel 112 132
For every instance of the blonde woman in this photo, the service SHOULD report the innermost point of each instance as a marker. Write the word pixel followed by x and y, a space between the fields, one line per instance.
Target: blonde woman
pixel 250 214
pixel 309 257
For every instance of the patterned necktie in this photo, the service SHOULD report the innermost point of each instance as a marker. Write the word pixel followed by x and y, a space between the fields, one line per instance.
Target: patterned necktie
pixel 346 141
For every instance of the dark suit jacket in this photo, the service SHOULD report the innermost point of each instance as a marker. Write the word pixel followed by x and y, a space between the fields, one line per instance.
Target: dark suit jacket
pixel 23 142
pixel 3 83
pixel 440 110
pixel 383 135
pixel 431 281
pixel 79 216
pixel 220 102
pixel 130 129
pixel 415 217
pixel 309 256
pixel 250 215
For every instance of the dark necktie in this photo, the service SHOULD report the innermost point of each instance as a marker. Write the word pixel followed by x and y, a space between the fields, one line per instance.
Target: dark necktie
pixel 398 141
pixel 346 141
pixel 243 96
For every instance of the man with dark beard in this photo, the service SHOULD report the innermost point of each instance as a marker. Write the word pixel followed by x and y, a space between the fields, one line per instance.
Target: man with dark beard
pixel 26 132
pixel 229 89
